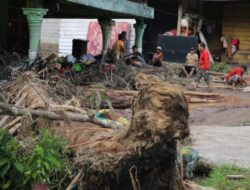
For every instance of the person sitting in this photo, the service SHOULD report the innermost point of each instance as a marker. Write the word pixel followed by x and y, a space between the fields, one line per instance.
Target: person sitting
pixel 234 77
pixel 119 46
pixel 158 57
pixel 137 59
pixel 191 63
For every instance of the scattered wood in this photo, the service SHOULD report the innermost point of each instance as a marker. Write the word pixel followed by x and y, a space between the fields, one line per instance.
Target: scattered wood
pixel 123 99
pixel 217 73
pixel 13 122
pixel 15 128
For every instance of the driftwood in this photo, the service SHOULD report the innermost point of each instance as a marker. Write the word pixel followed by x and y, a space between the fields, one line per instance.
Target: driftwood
pixel 7 109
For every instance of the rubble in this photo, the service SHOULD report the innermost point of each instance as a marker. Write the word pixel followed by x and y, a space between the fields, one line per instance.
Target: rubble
pixel 141 155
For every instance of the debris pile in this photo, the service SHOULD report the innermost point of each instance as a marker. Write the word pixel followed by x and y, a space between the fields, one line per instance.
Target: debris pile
pixel 109 152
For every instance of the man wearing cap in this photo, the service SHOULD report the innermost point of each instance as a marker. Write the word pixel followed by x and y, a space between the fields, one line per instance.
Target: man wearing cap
pixel 158 57
pixel 191 62
pixel 234 77
pixel 203 66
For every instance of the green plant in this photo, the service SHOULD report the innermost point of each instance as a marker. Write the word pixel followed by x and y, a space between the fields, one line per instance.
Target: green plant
pixel 44 162
pixel 11 169
pixel 45 159
pixel 219 181
pixel 220 67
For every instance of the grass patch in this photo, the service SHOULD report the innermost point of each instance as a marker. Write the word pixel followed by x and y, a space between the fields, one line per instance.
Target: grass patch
pixel 218 180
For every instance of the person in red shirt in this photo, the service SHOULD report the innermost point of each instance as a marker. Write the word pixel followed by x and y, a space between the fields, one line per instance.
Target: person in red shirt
pixel 203 66
pixel 234 77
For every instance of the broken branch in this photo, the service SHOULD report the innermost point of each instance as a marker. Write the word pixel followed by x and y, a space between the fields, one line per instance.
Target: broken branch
pixel 8 109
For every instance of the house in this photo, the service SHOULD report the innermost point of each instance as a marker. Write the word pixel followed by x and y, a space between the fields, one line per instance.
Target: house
pixel 57 35
pixel 31 13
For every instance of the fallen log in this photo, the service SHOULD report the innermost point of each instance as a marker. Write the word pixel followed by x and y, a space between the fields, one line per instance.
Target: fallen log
pixel 201 94
pixel 18 103
pixel 10 110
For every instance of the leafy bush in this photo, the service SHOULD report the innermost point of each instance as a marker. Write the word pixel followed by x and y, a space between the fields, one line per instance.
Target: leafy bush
pixel 45 161
pixel 220 67
pixel 11 169
pixel 218 180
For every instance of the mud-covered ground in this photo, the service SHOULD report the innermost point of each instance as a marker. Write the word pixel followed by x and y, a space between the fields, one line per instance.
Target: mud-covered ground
pixel 221 132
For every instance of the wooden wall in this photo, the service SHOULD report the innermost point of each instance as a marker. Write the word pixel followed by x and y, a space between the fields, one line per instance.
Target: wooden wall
pixel 236 24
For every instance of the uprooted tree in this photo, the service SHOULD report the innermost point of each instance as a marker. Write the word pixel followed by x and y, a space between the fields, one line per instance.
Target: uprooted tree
pixel 143 156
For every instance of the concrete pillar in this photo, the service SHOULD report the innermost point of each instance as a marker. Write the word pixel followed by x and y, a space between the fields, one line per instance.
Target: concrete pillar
pixel 139 32
pixel 35 18
pixel 106 27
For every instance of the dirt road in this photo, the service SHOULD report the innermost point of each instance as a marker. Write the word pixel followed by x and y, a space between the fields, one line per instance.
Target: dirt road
pixel 218 133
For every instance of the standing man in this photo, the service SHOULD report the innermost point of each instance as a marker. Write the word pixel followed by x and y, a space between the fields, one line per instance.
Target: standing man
pixel 203 66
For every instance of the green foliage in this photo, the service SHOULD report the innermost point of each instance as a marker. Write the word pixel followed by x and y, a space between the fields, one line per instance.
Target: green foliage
pixel 218 180
pixel 45 161
pixel 45 158
pixel 11 168
pixel 220 67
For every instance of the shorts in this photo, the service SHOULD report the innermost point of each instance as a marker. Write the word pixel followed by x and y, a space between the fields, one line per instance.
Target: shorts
pixel 203 74
pixel 158 64
pixel 189 68
pixel 234 79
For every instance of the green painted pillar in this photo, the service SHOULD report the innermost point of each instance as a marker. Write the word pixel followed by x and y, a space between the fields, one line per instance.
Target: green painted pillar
pixel 106 27
pixel 35 18
pixel 139 32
